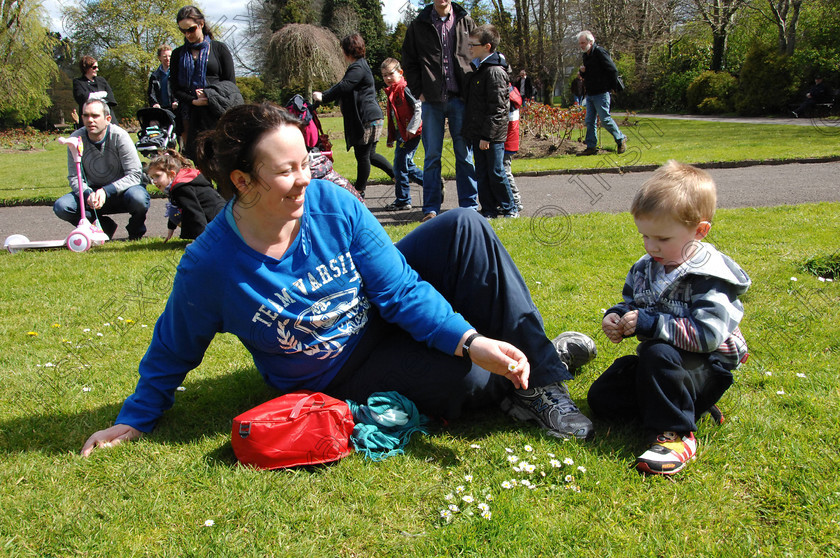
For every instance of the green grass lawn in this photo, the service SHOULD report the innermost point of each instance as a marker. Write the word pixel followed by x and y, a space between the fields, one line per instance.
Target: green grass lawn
pixel 650 142
pixel 765 482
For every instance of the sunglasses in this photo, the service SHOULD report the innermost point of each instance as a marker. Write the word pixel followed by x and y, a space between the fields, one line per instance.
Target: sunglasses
pixel 192 29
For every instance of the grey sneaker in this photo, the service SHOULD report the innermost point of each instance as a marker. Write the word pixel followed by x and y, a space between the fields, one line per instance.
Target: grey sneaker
pixel 552 408
pixel 575 349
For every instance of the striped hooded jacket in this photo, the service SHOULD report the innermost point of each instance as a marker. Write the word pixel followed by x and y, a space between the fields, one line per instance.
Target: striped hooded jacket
pixel 698 312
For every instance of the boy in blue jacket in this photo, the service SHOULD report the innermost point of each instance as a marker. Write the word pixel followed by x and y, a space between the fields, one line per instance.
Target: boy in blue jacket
pixel 681 301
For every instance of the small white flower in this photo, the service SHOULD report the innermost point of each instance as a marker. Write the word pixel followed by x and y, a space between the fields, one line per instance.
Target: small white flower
pixel 569 478
pixel 551 455
pixel 768 373
pixel 800 375
pixel 446 514
pixel 120 318
pixel 581 468
pixel 829 279
pixel 86 389
pixel 780 392
pixel 483 507
pixel 468 478
pixel 475 446
pixel 506 485
pixel 453 508
pixel 821 279
pixel 468 499
pixel 487 515
pixel 575 488
pixel 532 486
pixel 107 324
pixel 555 463
pixel 180 388
pixel 794 279
pixel 525 482
pixel 144 325
pixel 449 496
pixel 508 450
pixel 49 365
pixel 512 458
pixel 568 461
pixel 459 488
pixel 87 329
pixel 517 468
pixel 529 448
pixel 99 334
pixel 209 523
pixel 538 282
pixel 603 310
pixel 488 497
pixel 528 468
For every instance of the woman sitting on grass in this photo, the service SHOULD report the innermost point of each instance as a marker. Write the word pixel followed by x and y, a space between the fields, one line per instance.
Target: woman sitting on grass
pixel 312 285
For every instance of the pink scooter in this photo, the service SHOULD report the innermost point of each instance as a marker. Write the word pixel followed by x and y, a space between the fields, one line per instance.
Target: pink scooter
pixel 80 239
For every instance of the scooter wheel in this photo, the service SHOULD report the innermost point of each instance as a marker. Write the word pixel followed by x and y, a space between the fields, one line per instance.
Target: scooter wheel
pixel 12 241
pixel 78 241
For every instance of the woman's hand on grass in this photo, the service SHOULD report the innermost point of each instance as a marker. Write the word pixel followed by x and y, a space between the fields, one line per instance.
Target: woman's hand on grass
pixel 109 437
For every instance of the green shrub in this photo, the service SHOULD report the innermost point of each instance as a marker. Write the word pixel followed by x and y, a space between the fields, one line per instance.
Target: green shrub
pixel 767 82
pixel 827 266
pixel 711 92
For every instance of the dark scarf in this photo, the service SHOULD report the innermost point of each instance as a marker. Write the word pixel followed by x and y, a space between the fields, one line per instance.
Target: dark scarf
pixel 193 73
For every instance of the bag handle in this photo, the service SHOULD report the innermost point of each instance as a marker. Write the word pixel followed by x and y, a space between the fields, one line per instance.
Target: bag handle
pixel 299 405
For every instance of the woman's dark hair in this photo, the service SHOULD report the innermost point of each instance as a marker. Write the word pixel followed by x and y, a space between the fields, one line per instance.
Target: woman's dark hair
pixel 193 13
pixel 86 63
pixel 231 145
pixel 353 46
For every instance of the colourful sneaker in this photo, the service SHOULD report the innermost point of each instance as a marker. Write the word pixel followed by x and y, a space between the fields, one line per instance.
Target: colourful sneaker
pixel 668 454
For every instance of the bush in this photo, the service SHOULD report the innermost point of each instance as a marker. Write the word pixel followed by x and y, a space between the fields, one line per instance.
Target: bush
pixel 766 84
pixel 711 93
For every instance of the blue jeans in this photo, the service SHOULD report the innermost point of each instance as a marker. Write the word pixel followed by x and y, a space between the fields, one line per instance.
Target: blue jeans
pixel 134 201
pixel 493 188
pixel 599 105
pixel 434 119
pixel 405 170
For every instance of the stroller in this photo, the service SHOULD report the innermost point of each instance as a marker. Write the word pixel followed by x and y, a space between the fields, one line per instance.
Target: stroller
pixel 157 131
pixel 318 144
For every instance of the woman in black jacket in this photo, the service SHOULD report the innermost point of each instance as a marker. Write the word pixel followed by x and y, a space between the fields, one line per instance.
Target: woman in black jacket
pixel 198 63
pixel 362 115
pixel 91 86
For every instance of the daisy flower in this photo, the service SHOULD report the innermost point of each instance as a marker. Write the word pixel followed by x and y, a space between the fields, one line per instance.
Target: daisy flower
pixel 209 523
pixel 468 499
pixel 555 463
pixel 468 478
pixel 475 446
pixel 581 468
pixel 449 496
pixel 487 515
pixel 529 448
pixel 569 478
pixel 506 485
pixel 459 488
pixel 568 461
pixel 483 507
pixel 453 508
pixel 512 458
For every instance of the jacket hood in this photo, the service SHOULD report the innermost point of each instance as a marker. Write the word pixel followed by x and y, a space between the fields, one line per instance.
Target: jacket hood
pixel 708 261
pixel 496 59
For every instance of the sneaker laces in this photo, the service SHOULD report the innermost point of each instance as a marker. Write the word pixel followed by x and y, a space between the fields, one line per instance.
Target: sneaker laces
pixel 559 395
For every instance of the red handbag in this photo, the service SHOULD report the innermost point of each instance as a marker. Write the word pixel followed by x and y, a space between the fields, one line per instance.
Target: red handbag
pixel 299 428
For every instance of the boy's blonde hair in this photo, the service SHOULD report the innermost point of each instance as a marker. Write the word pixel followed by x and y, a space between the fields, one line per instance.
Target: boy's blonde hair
pixel 390 64
pixel 686 193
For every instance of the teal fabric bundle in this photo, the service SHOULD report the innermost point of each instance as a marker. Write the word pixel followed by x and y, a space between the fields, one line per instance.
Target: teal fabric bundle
pixel 385 425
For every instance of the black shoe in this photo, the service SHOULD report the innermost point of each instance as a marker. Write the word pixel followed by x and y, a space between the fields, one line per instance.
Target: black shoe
pixel 575 349
pixel 552 408
pixel 398 206
pixel 109 226
pixel 589 151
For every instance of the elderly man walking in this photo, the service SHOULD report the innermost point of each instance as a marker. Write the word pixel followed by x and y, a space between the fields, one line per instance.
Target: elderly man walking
pixel 599 76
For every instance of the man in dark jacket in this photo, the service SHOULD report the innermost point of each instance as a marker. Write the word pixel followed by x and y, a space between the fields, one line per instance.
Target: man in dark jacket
pixel 436 61
pixel 486 122
pixel 599 76
pixel 160 92
pixel 819 93
pixel 524 85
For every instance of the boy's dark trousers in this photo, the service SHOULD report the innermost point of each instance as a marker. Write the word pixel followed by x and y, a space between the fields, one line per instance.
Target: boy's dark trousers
pixel 494 193
pixel 666 388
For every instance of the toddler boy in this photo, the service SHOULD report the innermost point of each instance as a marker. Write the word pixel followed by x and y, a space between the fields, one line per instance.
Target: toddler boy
pixel 681 301
pixel 486 122
pixel 404 126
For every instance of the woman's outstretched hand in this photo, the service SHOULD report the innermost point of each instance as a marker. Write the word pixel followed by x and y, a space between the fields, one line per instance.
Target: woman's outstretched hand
pixel 502 358
pixel 110 437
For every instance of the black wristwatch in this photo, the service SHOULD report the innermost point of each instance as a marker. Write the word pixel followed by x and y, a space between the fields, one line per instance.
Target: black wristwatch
pixel 465 348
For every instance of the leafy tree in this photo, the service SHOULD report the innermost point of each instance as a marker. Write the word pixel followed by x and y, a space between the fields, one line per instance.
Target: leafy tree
pixel 720 16
pixel 344 17
pixel 26 63
pixel 124 37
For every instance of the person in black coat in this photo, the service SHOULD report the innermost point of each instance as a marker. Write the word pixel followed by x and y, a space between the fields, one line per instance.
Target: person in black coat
pixel 193 202
pixel 199 62
pixel 362 116
pixel 599 77
pixel 819 93
pixel 91 86
pixel 524 85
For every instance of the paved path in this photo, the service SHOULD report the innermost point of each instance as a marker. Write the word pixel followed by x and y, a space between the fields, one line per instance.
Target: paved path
pixel 559 194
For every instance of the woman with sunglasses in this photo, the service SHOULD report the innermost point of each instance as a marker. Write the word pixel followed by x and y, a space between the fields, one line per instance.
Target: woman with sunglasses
pixel 199 63
pixel 91 86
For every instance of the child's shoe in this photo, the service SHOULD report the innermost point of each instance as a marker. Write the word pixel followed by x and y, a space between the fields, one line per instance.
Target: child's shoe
pixel 668 454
